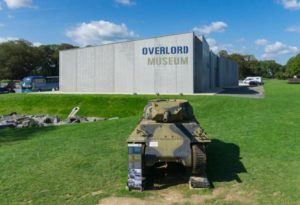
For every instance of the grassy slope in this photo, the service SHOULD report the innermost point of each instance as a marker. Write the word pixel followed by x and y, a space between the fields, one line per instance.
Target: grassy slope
pixel 255 141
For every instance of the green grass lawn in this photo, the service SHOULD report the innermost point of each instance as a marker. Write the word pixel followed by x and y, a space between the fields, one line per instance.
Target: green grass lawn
pixel 255 147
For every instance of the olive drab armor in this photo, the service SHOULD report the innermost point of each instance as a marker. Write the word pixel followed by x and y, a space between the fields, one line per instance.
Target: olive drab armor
pixel 168 132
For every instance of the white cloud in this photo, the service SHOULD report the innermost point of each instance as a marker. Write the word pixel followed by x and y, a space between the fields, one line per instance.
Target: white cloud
pixel 36 44
pixel 295 29
pixel 6 39
pixel 216 47
pixel 218 26
pixel 213 44
pixel 278 49
pixel 2 24
pixel 1 8
pixel 261 42
pixel 15 4
pixel 291 4
pixel 99 32
pixel 125 2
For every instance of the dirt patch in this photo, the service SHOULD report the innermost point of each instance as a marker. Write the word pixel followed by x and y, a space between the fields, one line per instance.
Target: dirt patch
pixel 125 201
pixel 238 197
pixel 97 193
pixel 172 196
pixel 235 194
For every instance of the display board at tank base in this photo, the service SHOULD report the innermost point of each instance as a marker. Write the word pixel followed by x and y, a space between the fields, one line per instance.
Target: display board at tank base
pixel 135 165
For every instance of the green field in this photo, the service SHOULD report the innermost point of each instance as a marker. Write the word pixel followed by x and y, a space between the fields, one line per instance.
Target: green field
pixel 254 156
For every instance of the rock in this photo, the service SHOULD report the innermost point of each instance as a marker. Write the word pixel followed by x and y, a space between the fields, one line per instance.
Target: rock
pixel 95 119
pixel 27 122
pixel 74 119
pixel 113 118
pixel 14 120
pixel 6 125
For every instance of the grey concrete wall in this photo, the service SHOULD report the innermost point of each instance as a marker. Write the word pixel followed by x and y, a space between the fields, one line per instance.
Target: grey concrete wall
pixel 213 70
pixel 222 71
pixel 68 71
pixel 197 64
pixel 228 72
pixel 233 73
pixel 124 68
pixel 205 66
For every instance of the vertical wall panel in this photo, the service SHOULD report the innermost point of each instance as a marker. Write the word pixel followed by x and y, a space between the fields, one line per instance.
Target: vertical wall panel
pixel 205 77
pixel 124 67
pixel 68 75
pixel 213 70
pixel 104 69
pixel 85 69
pixel 222 71
pixel 198 56
pixel 143 75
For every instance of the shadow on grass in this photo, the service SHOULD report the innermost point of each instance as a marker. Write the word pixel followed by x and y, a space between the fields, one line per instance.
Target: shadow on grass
pixel 162 178
pixel 11 135
pixel 241 90
pixel 224 163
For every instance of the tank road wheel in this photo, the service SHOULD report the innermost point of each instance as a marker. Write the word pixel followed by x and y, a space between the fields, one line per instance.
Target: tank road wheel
pixel 198 159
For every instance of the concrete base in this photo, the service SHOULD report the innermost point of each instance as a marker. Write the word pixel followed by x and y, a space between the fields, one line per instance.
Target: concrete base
pixel 197 182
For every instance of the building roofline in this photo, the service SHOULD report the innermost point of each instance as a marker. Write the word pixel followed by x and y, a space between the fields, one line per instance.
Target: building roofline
pixel 119 42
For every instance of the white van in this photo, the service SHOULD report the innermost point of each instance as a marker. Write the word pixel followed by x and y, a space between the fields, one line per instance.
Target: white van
pixel 255 79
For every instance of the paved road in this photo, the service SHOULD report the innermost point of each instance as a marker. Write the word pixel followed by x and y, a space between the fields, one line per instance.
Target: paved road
pixel 241 91
pixel 244 91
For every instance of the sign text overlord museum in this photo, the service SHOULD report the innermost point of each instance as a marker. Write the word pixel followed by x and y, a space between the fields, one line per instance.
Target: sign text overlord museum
pixel 167 55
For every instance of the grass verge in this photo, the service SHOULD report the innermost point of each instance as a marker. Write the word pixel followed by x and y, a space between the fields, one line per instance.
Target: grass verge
pixel 255 148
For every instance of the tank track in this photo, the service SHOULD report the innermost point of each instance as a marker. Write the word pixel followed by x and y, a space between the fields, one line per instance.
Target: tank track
pixel 199 178
pixel 198 159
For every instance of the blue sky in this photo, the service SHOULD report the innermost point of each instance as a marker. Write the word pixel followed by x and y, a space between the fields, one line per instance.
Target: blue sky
pixel 269 29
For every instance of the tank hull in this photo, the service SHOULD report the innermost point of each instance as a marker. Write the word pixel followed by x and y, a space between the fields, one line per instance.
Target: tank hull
pixel 168 133
pixel 167 142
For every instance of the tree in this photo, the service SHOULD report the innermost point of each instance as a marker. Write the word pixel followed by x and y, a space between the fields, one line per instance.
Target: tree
pixel 17 59
pixel 49 59
pixel 245 67
pixel 293 66
pixel 269 68
pixel 223 53
pixel 20 58
pixel 250 66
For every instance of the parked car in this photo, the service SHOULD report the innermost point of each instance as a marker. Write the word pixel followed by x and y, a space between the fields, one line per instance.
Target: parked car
pixel 256 79
pixel 254 83
pixel 8 88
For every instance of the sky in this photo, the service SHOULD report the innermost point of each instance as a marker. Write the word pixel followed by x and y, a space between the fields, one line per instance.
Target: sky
pixel 268 29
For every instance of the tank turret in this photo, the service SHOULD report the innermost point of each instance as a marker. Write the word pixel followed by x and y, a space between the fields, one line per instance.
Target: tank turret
pixel 168 111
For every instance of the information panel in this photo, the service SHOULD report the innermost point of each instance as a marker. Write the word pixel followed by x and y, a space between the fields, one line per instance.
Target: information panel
pixel 135 166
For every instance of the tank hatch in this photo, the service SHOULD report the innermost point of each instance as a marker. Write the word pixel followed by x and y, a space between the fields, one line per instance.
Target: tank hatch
pixel 168 111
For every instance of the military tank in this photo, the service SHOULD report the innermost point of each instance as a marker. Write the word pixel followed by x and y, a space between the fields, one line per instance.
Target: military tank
pixel 167 133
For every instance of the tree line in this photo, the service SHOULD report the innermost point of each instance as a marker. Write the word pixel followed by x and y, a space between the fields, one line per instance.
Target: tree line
pixel 250 66
pixel 21 58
